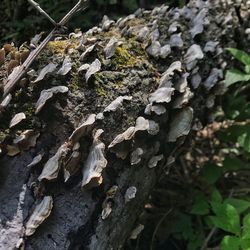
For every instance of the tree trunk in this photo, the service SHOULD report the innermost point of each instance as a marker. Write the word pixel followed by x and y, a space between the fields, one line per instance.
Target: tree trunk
pixel 178 85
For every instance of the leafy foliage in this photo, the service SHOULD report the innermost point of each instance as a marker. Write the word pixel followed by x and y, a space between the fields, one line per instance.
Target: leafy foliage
pixel 226 217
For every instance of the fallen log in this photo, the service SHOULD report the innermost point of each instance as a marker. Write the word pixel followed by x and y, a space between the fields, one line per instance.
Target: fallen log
pixel 105 113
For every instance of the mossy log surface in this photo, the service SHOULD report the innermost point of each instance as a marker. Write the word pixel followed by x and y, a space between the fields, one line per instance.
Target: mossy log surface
pixel 179 101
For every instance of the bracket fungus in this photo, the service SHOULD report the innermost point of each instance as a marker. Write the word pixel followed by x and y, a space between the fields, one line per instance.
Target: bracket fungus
pixel 87 52
pixel 110 48
pixel 130 194
pixel 47 69
pixel 66 66
pixel 24 141
pixel 95 163
pixel 117 103
pixel 53 165
pixel 180 124
pixel 83 129
pixel 40 213
pixel 17 119
pixel 117 145
pixel 193 54
pixel 48 94
pixel 93 68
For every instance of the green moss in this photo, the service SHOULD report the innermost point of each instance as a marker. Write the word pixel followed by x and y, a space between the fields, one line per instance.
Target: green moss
pixel 127 57
pixel 99 84
pixel 74 84
pixel 60 47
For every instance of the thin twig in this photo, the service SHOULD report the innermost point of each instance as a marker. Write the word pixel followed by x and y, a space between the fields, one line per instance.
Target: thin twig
pixel 43 12
pixel 208 238
pixel 158 226
pixel 11 83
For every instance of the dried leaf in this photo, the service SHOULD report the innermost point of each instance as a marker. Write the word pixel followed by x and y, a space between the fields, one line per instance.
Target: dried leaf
pixel 66 67
pixel 17 119
pixel 47 94
pixel 83 129
pixel 47 69
pixel 117 103
pixel 93 68
pixel 95 163
pixel 40 213
pixel 180 125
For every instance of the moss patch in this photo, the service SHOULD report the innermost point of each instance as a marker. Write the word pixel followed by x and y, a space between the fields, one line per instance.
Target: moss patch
pixel 61 47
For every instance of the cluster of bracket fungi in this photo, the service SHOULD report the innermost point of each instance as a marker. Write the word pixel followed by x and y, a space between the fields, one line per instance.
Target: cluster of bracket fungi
pixel 161 66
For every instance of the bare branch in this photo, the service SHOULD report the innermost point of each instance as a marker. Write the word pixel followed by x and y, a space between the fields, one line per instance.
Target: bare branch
pixel 41 11
pixel 11 83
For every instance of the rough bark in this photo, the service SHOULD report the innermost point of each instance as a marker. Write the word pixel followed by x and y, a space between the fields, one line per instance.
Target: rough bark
pixel 136 68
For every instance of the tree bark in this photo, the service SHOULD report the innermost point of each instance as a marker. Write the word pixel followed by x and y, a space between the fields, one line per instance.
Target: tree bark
pixel 136 68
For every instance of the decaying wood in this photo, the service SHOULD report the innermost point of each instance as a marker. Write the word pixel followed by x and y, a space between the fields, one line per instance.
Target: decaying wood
pixel 119 124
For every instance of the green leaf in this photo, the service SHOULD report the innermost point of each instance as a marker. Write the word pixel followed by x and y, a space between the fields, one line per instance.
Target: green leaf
pixel 200 206
pixel 216 196
pixel 233 164
pixel 245 244
pixel 211 173
pixel 246 228
pixel 240 205
pixel 244 141
pixel 235 75
pixel 230 243
pixel 195 242
pixel 240 55
pixel 226 217
pixel 247 69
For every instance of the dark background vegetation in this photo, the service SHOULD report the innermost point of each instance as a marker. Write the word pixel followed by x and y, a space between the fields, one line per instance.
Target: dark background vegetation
pixel 19 21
